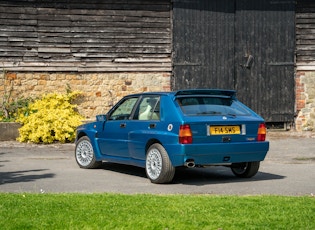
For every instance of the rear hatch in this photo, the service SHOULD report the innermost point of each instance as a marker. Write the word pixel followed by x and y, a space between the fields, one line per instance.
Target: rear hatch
pixel 217 116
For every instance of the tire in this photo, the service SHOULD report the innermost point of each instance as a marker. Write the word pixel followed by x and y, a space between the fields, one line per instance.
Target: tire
pixel 159 168
pixel 84 154
pixel 246 169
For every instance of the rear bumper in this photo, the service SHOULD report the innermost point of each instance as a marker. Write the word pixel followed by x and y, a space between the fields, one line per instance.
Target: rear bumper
pixel 218 153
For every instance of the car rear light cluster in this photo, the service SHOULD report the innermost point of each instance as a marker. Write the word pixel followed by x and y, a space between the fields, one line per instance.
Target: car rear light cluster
pixel 185 134
pixel 262 131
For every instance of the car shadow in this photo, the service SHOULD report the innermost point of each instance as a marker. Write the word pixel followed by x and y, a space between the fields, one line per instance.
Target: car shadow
pixel 6 161
pixel 194 176
pixel 3 161
pixel 216 175
pixel 125 169
pixel 23 176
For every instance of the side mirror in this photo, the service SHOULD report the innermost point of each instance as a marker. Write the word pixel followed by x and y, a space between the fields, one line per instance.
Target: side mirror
pixel 101 117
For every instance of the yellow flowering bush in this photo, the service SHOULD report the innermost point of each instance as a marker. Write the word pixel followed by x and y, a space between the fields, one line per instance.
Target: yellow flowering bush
pixel 49 119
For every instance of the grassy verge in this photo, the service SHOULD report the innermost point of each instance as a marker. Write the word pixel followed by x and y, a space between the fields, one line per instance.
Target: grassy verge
pixel 114 211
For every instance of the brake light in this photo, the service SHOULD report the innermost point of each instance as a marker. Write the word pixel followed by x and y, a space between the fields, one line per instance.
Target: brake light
pixel 262 131
pixel 185 135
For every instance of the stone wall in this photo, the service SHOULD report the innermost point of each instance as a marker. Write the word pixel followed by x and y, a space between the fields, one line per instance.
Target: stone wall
pixel 100 90
pixel 305 65
pixel 305 101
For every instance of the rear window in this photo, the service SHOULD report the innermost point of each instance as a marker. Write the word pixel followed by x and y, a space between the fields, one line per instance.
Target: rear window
pixel 207 106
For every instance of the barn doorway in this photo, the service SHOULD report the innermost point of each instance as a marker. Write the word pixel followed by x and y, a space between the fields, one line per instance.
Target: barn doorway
pixel 243 45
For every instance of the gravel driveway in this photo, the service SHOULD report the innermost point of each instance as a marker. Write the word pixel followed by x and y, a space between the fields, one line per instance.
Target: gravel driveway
pixel 289 169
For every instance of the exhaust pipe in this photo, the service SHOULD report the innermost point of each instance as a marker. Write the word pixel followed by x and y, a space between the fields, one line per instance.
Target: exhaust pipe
pixel 190 164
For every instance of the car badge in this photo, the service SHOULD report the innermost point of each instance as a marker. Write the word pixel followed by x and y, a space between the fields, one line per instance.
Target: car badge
pixel 224 118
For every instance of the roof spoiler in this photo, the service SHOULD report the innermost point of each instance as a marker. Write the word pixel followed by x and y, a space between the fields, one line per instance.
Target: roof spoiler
pixel 209 92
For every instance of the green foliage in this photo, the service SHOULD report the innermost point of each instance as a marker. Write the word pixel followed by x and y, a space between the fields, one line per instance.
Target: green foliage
pixel 9 106
pixel 144 211
pixel 49 119
pixel 10 109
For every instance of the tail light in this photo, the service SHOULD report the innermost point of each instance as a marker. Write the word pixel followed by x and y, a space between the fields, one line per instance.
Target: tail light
pixel 262 131
pixel 185 135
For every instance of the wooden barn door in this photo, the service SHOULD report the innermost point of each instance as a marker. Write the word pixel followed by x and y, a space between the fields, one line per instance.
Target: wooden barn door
pixel 203 44
pixel 242 44
pixel 264 57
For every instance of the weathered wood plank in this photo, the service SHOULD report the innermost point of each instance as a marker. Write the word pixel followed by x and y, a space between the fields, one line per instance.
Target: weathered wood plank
pixel 100 12
pixel 305 35
pixel 304 15
pixel 305 38
pixel 141 60
pixel 54 50
pixel 87 41
pixel 97 56
pixel 23 34
pixel 89 35
pixel 84 57
pixel 10 22
pixel 17 49
pixel 19 54
pixel 129 50
pixel 101 25
pixel 102 18
pixel 300 22
pixel 306 26
pixel 99 37
pixel 11 9
pixel 310 66
pixel 305 31
pixel 307 47
pixel 19 28
pixel 13 45
pixel 126 30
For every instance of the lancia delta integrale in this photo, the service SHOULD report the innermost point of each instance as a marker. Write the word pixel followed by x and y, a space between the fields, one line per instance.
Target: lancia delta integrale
pixel 161 131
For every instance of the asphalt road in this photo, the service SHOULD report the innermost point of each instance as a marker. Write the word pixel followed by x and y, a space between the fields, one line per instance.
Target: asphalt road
pixel 289 169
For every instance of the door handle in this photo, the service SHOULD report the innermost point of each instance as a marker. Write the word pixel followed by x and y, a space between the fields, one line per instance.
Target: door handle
pixel 249 62
pixel 122 125
pixel 152 126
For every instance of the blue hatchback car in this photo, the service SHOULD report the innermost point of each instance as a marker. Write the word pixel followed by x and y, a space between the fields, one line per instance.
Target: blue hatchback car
pixel 160 131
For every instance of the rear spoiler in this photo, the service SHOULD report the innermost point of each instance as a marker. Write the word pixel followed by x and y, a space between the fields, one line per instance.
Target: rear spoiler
pixel 207 92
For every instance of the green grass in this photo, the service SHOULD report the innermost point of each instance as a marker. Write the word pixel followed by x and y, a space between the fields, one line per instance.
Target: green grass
pixel 116 211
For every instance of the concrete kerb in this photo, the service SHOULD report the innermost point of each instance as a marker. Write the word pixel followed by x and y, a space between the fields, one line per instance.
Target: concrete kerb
pixel 9 131
pixel 274 134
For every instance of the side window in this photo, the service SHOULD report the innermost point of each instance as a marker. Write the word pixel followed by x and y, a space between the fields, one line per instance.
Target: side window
pixel 124 110
pixel 149 108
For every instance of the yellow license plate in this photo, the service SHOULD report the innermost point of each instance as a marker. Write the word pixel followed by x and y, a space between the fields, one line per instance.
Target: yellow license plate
pixel 225 130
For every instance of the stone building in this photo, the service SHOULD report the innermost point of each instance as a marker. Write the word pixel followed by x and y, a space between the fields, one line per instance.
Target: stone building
pixel 102 48
pixel 108 49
